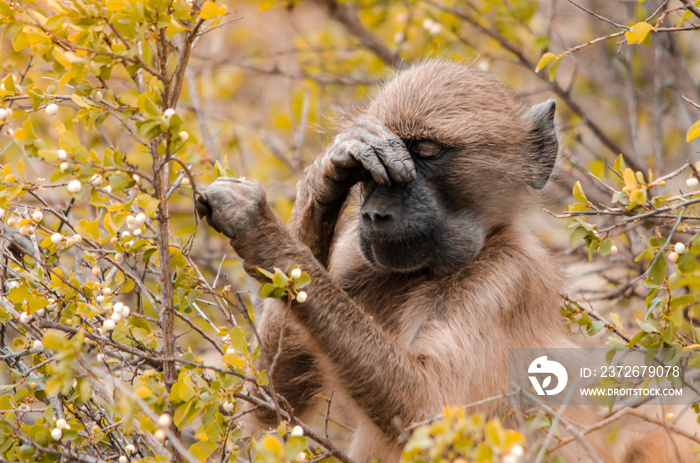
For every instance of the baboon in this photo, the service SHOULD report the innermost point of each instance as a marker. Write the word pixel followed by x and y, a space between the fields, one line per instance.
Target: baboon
pixel 424 271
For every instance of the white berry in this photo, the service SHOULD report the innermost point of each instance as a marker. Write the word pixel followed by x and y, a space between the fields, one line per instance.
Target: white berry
pixel 98 98
pixel 228 407
pixel 116 317
pixel 24 230
pixel 100 358
pixel 298 431
pixel 64 167
pixel 77 239
pixel 184 136
pixel 39 313
pixel 100 299
pixel 108 325
pixel 74 186
pixel 296 273
pixel 673 257
pixel 230 351
pixel 123 459
pixel 62 155
pixel 37 345
pixel 3 114
pixel 118 257
pixel 517 451
pixel 130 448
pixel 302 296
pixel 613 249
pixel 61 423
pixel 160 435
pixel 125 312
pixel 56 238
pixel 52 110
pixel 24 317
pixel 37 216
pixel 165 420
pixel 106 290
pixel 56 433
pixel 169 113
pixel 118 306
pixel 679 248
pixel 692 182
pixel 301 457
pixel 141 218
pixel 97 180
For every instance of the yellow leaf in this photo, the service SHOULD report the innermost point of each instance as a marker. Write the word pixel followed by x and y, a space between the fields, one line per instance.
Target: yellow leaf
pixel 616 320
pixel 209 10
pixel 693 132
pixel 638 32
pixel 545 60
pixel 630 178
pixel 270 443
pixel 115 5
pixel 143 392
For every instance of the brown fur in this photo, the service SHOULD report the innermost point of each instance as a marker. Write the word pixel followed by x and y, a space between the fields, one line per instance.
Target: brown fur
pixel 400 346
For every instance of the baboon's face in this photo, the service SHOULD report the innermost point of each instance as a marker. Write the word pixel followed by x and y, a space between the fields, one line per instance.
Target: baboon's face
pixel 478 156
pixel 435 223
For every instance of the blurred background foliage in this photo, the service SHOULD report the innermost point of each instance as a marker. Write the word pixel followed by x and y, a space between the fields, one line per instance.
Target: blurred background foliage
pixel 111 106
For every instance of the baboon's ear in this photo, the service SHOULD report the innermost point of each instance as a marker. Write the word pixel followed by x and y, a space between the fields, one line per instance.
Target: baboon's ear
pixel 543 143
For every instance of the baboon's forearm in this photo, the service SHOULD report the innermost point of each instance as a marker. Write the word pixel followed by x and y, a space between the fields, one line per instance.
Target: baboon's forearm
pixel 318 205
pixel 354 343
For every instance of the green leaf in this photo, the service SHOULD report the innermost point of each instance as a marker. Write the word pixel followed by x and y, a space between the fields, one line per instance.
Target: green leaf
pixel 657 273
pixel 54 339
pixel 681 301
pixel 302 281
pixel 238 341
pixel 279 279
pixel 686 262
pixel 202 450
pixel 264 273
pixel 647 327
pixel 605 247
pixel 147 106
pixel 619 164
pixel 577 235
pixel 266 290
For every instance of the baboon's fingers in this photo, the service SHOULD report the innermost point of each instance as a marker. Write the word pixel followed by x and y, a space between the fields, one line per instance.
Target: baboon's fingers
pixel 390 149
pixel 369 160
pixel 204 210
pixel 202 206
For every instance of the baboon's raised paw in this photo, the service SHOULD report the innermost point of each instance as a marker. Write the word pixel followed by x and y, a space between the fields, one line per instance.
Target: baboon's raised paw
pixel 232 206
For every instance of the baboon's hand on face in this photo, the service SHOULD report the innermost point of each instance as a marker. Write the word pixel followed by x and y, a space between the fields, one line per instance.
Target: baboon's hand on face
pixel 233 206
pixel 367 150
